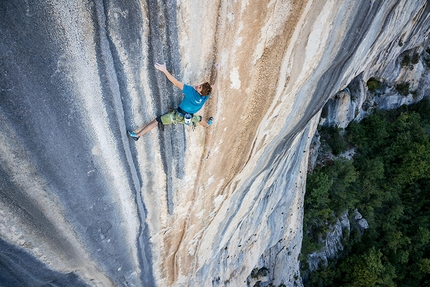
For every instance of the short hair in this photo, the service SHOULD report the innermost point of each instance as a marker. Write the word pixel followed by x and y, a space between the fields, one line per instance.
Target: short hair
pixel 206 89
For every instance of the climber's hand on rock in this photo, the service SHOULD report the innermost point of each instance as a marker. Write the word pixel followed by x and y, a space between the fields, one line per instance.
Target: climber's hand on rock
pixel 161 67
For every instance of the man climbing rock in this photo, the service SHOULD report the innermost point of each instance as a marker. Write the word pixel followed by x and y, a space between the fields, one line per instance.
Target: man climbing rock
pixel 193 101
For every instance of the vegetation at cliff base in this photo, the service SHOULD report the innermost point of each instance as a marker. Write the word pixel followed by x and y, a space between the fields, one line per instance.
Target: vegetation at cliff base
pixel 388 181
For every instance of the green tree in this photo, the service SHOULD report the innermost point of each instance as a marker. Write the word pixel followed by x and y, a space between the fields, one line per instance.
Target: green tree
pixel 366 270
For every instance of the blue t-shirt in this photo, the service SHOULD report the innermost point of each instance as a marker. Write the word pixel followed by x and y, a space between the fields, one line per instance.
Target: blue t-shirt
pixel 192 101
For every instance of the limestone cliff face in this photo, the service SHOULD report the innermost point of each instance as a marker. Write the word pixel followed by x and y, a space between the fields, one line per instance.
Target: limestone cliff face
pixel 82 204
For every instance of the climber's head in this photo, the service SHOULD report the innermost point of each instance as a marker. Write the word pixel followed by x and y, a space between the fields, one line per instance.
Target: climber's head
pixel 204 89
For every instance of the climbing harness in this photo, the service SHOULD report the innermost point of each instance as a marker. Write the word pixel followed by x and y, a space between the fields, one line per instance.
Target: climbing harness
pixel 187 119
pixel 187 116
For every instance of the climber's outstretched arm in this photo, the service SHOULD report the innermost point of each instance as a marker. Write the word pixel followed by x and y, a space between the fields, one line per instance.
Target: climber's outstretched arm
pixel 162 68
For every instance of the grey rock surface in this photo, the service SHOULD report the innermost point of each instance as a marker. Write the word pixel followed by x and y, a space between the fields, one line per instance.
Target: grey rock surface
pixel 332 244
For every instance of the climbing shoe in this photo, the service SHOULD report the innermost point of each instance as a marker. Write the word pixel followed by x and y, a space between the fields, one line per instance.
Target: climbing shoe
pixel 132 135
pixel 210 121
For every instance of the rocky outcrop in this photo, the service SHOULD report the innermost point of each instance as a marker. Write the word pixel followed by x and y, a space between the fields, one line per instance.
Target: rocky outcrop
pixel 356 101
pixel 332 245
pixel 89 206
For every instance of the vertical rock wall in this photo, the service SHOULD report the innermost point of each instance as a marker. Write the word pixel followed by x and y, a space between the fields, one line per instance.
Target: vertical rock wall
pixel 88 206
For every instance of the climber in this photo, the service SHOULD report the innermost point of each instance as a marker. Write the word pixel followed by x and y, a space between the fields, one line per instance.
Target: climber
pixel 194 99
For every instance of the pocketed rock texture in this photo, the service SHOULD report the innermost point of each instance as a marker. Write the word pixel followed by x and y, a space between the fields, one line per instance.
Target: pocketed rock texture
pixel 83 205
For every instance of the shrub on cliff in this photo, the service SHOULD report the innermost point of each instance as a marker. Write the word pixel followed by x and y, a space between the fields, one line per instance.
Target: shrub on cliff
pixel 406 61
pixel 403 88
pixel 332 137
pixel 373 85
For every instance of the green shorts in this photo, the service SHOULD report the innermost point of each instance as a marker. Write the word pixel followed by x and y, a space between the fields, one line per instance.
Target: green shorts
pixel 174 117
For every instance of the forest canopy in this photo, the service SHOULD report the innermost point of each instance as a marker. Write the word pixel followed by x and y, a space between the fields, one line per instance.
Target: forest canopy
pixel 388 181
